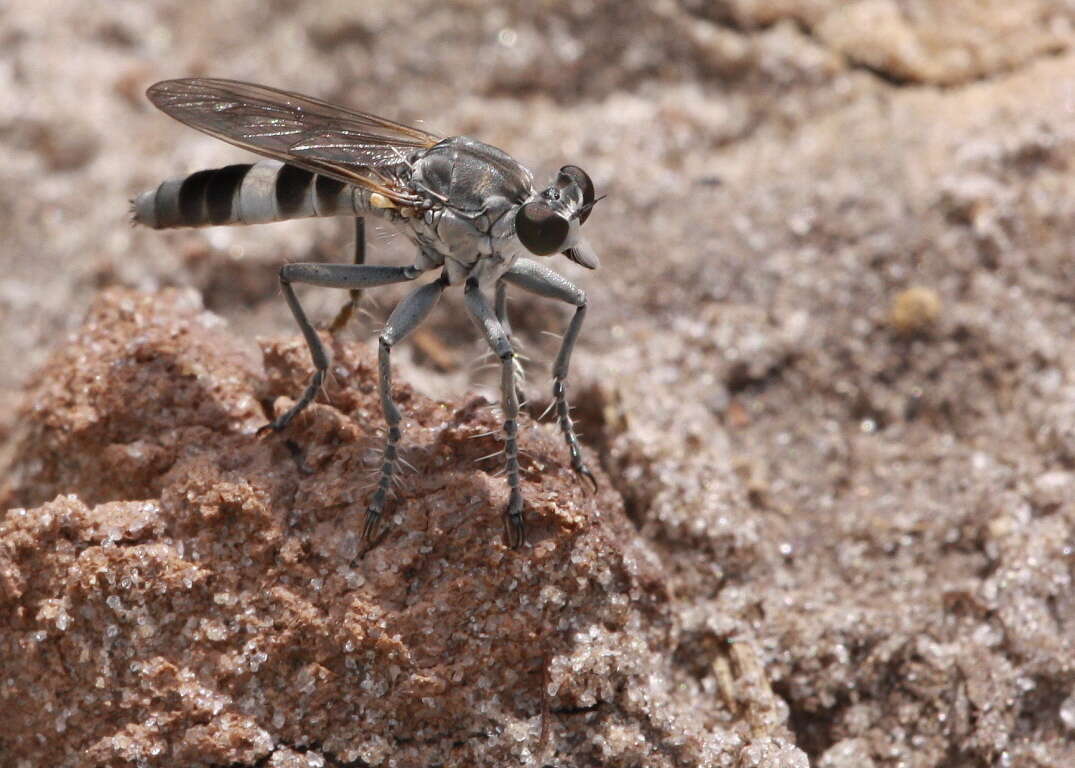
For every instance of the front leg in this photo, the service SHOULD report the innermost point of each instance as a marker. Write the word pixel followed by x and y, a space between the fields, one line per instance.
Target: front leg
pixel 498 341
pixel 351 276
pixel 536 278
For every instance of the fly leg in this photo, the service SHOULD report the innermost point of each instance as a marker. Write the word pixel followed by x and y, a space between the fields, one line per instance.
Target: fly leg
pixel 407 316
pixel 536 278
pixel 348 309
pixel 497 338
pixel 350 276
pixel 500 304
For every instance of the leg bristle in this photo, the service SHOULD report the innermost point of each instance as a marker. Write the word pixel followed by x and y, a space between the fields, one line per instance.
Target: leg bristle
pixel 548 408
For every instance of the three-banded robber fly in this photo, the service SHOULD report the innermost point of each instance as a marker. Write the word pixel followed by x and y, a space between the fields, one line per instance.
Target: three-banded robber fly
pixel 472 211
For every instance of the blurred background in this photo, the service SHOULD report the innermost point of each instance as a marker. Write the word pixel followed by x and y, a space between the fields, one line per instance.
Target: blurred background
pixel 828 356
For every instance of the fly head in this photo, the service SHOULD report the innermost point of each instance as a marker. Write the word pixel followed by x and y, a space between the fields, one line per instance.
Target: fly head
pixel 551 221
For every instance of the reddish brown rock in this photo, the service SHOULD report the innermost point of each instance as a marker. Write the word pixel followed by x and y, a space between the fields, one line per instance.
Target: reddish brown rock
pixel 222 613
pixel 873 520
pixel 124 397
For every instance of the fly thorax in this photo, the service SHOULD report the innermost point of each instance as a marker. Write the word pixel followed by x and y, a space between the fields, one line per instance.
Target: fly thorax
pixel 459 234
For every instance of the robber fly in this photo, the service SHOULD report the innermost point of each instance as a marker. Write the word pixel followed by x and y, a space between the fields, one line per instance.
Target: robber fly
pixel 472 211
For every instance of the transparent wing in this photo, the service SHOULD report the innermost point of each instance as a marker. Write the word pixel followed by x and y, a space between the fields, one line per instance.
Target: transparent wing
pixel 353 147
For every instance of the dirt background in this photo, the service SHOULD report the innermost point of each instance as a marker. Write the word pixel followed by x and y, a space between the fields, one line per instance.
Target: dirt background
pixel 827 363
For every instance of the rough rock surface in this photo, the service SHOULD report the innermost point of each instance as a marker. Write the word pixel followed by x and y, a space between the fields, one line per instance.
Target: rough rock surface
pixel 827 363
pixel 197 595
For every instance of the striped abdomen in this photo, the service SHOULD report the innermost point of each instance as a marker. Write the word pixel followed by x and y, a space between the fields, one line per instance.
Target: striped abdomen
pixel 247 194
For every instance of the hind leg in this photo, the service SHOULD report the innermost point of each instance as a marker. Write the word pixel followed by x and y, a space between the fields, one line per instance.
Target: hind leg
pixel 348 309
pixel 350 276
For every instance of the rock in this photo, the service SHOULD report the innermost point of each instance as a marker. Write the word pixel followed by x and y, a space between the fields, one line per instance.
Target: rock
pixel 867 535
pixel 202 599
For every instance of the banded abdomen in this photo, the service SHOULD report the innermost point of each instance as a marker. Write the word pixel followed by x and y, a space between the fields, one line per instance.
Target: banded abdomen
pixel 247 194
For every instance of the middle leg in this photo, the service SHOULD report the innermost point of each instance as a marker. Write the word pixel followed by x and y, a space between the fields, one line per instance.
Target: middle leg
pixel 501 304
pixel 407 316
pixel 498 341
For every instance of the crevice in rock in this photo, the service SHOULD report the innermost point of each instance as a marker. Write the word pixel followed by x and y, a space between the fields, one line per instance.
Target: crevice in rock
pixel 577 710
pixel 813 730
pixel 600 423
pixel 740 379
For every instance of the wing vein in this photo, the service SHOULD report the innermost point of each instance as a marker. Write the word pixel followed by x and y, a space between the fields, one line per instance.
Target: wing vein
pixel 354 147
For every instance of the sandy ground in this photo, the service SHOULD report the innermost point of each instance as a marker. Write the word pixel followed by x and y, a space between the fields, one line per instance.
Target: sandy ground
pixel 826 364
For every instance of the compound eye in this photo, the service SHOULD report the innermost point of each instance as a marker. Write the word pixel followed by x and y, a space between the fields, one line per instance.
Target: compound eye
pixel 580 177
pixel 540 229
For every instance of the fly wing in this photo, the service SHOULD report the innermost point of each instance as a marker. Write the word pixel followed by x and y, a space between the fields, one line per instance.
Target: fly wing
pixel 350 146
